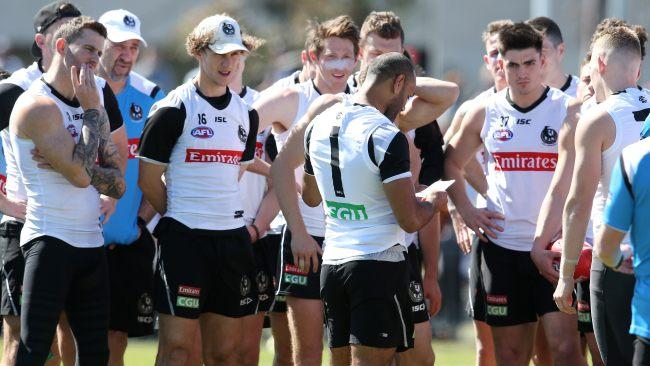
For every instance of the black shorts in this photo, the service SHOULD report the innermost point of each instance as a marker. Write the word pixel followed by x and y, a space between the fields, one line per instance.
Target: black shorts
pixel 60 277
pixel 583 304
pixel 476 299
pixel 130 272
pixel 367 303
pixel 416 294
pixel 204 271
pixel 293 281
pixel 266 257
pixel 13 268
pixel 515 291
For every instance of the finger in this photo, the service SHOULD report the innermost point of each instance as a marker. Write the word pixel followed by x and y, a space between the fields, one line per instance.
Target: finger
pixel 494 215
pixel 74 75
pixel 487 231
pixel 45 166
pixel 296 259
pixel 319 250
pixel 82 75
pixel 478 233
pixel 314 259
pixel 487 222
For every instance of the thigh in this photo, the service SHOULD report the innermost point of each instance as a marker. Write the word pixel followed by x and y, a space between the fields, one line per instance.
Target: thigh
pixel 371 356
pixel 294 281
pixel 180 274
pixel 13 268
pixel 233 293
pixel 220 334
pixel 508 290
pixel 337 307
pixel 380 316
pixel 176 332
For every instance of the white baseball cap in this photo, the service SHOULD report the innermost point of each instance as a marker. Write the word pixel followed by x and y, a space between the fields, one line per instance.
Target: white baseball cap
pixel 121 25
pixel 226 34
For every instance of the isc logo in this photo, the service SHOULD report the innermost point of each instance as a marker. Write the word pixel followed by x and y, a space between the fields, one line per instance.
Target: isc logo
pixel 202 132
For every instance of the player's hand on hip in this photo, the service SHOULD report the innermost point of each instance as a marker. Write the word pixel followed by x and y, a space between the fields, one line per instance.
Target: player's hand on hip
pixel 15 209
pixel 305 252
pixel 563 295
pixel 543 260
pixel 481 221
pixel 40 160
pixel 85 88
pixel 464 235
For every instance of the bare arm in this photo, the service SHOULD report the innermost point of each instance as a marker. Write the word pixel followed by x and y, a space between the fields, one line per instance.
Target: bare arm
pixel 277 107
pixel 430 246
pixel 121 142
pixel 310 193
pixel 411 213
pixel 432 98
pixel 457 121
pixel 607 245
pixel 152 186
pixel 108 175
pixel 146 211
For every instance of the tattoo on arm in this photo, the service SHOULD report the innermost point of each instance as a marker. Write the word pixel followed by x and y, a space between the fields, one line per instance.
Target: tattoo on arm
pixel 108 181
pixel 85 151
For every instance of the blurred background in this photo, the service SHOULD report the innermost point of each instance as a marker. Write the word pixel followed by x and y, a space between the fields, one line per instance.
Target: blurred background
pixel 443 36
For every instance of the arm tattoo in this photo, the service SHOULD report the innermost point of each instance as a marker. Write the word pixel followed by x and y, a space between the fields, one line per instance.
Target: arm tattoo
pixel 107 177
pixel 85 151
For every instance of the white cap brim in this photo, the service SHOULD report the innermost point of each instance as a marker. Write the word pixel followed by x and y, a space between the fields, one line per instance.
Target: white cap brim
pixel 115 35
pixel 223 48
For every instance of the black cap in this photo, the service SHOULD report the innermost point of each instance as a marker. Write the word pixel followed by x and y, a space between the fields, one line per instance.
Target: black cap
pixel 49 14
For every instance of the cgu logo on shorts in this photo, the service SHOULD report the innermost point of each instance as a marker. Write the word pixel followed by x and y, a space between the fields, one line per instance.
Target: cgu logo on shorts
pixel 187 302
pixel 294 275
pixel 525 161
pixel 202 132
pixel 213 156
pixel 133 147
pixel 497 305
pixel 584 312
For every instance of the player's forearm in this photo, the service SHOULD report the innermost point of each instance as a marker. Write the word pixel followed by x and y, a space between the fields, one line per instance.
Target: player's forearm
pixel 421 215
pixel 268 210
pixel 437 92
pixel 108 181
pixel 475 176
pixel 607 246
pixel 574 227
pixel 430 245
pixel 86 150
pixel 155 192
pixel 310 194
pixel 457 192
pixel 287 195
pixel 260 167
pixel 549 221
pixel 146 211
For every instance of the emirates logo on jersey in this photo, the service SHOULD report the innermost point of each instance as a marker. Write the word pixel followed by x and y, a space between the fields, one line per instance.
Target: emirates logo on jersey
pixel 133 147
pixel 525 161
pixel 3 184
pixel 259 149
pixel 213 156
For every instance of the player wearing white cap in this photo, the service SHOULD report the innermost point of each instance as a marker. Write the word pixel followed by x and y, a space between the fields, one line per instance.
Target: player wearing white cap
pixel 200 137
pixel 130 245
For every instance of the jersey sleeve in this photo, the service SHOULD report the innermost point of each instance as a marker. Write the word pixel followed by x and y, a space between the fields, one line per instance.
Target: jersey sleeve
pixel 160 134
pixel 619 210
pixel 308 167
pixel 390 152
pixel 249 151
pixel 9 93
pixel 112 108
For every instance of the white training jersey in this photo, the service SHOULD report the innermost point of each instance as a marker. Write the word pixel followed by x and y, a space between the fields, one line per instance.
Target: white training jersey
pixel 284 83
pixel 252 186
pixel 570 87
pixel 54 206
pixel 353 82
pixel 628 108
pixel 202 141
pixel 352 150
pixel 522 155
pixel 312 216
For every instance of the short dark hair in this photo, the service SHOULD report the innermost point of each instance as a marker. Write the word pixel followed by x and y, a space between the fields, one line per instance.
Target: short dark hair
pixel 548 28
pixel 385 23
pixel 619 38
pixel 390 65
pixel 4 74
pixel 606 23
pixel 494 28
pixel 71 30
pixel 519 36
pixel 340 27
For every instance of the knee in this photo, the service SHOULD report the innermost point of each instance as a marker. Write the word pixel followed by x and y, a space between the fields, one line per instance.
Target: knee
pixel 511 356
pixel 177 356
pixel 117 341
pixel 565 350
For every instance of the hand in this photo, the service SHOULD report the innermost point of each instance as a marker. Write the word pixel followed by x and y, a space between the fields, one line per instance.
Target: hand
pixel 432 293
pixel 85 88
pixel 563 295
pixel 438 199
pixel 40 160
pixel 481 219
pixel 252 233
pixel 15 209
pixel 543 260
pixel 106 207
pixel 464 235
pixel 305 251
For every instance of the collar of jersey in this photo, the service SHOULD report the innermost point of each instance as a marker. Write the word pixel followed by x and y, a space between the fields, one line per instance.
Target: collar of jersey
pixel 74 103
pixel 220 102
pixel 625 90
pixel 347 88
pixel 530 107
pixel 567 84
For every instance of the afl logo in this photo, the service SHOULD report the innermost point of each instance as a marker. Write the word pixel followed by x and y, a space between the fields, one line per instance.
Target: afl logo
pixel 503 134
pixel 73 130
pixel 202 132
pixel 129 21
pixel 136 112
pixel 548 136
pixel 228 29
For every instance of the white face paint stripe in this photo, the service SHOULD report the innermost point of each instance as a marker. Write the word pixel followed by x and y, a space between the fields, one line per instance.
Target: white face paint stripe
pixel 338 64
